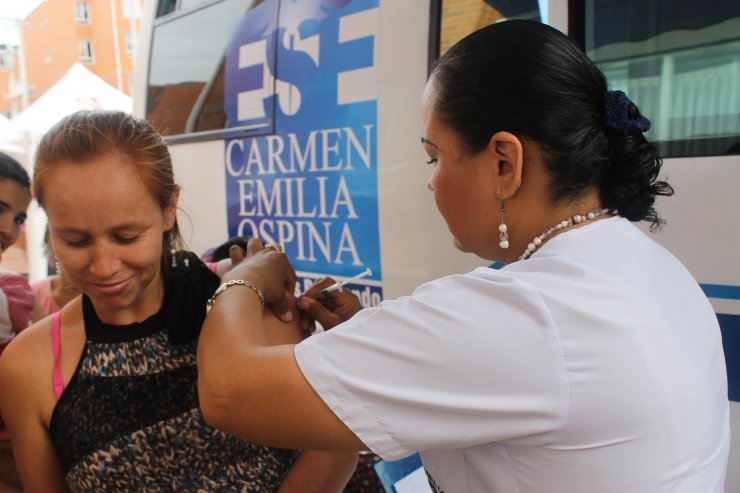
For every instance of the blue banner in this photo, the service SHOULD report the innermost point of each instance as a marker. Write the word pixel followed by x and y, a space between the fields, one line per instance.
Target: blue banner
pixel 303 75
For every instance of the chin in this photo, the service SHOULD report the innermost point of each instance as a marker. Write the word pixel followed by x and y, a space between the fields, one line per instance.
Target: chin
pixel 459 245
pixel 484 254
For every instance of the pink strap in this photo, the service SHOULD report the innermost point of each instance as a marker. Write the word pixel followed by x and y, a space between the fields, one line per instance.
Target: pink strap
pixel 213 266
pixel 56 339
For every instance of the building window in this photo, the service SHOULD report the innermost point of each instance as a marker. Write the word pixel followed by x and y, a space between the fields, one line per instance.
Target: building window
pixel 87 53
pixel 82 12
pixel 131 39
pixel 7 62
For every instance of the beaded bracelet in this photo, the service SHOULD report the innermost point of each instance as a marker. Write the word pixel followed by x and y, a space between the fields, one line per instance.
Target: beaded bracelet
pixel 235 282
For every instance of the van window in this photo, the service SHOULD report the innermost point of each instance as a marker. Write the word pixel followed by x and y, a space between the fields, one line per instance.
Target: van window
pixel 678 60
pixel 458 18
pixel 187 81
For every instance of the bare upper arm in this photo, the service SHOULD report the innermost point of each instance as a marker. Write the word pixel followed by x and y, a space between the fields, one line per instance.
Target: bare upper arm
pixel 26 402
pixel 279 332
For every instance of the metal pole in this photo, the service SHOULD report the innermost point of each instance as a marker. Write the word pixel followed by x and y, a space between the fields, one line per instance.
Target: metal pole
pixel 116 44
pixel 22 66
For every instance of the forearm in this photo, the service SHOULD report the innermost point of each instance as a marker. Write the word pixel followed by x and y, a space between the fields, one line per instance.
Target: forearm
pixel 317 471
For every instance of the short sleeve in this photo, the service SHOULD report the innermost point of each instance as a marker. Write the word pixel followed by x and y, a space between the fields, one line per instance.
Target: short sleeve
pixel 463 361
pixel 20 300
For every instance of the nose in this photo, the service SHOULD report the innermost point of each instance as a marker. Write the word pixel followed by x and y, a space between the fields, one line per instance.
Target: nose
pixel 104 263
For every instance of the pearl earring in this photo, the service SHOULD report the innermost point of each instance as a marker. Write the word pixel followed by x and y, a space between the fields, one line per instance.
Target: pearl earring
pixel 502 230
pixel 174 259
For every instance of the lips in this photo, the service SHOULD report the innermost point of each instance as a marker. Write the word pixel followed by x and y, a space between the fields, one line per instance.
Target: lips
pixel 110 288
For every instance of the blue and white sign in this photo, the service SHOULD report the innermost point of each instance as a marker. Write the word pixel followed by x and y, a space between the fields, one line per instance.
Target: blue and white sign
pixel 302 75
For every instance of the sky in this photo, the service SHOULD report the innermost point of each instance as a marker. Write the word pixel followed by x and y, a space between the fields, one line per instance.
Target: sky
pixel 10 10
pixel 17 9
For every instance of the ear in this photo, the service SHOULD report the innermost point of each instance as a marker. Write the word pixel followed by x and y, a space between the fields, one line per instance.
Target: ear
pixel 170 213
pixel 508 152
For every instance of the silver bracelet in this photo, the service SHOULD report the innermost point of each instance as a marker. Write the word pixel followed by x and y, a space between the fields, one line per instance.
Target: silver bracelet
pixel 235 282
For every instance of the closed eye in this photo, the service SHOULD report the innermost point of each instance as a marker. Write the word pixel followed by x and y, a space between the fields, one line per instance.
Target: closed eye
pixel 76 243
pixel 432 161
pixel 126 240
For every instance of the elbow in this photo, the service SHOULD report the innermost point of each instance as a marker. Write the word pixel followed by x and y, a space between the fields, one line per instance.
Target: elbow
pixel 214 400
pixel 348 465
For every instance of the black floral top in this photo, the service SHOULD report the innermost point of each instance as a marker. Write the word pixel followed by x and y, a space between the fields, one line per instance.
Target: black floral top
pixel 129 420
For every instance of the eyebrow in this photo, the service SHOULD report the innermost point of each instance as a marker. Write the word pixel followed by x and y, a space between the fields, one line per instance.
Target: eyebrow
pixel 427 141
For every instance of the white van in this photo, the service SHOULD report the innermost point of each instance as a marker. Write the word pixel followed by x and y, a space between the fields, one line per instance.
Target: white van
pixel 298 121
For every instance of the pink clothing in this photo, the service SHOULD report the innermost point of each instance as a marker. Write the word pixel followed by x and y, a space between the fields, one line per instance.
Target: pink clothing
pixel 44 297
pixel 56 343
pixel 16 306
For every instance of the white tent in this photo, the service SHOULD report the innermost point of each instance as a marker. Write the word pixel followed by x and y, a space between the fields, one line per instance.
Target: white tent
pixel 78 89
pixel 12 141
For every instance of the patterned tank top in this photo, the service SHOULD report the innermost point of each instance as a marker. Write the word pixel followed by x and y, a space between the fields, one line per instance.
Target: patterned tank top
pixel 129 420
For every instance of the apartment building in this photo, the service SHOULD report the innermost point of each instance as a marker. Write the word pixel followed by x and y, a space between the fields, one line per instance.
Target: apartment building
pixel 100 34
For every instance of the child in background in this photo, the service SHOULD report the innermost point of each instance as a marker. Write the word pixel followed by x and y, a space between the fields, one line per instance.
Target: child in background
pixel 16 297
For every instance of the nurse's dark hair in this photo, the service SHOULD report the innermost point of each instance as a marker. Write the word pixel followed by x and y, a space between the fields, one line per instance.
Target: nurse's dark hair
pixel 533 81
pixel 85 136
pixel 10 169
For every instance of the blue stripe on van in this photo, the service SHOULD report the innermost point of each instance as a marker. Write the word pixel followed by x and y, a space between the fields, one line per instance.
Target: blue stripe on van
pixel 730 326
pixel 721 291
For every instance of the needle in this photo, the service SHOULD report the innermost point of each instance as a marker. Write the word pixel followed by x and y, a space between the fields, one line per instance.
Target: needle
pixel 334 287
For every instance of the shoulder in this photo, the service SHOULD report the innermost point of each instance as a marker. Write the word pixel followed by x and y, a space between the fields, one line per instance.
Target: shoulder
pixel 41 285
pixel 11 280
pixel 279 332
pixel 27 350
pixel 16 288
pixel 24 366
pixel 20 299
pixel 482 290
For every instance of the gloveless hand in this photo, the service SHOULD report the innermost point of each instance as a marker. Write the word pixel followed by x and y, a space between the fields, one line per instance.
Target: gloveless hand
pixel 269 269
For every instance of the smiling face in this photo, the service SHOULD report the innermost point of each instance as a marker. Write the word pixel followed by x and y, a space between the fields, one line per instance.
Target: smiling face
pixel 14 200
pixel 463 183
pixel 106 230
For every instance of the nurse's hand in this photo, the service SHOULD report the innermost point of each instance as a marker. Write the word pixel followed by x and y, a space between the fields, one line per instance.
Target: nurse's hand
pixel 329 309
pixel 268 268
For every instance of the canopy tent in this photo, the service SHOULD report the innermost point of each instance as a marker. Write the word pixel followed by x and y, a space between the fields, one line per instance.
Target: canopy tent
pixel 12 141
pixel 78 89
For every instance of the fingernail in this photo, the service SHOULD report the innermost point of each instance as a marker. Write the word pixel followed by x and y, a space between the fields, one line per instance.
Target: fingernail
pixel 303 304
pixel 286 317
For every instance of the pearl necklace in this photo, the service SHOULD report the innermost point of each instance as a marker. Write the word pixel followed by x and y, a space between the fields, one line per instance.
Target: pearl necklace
pixel 565 223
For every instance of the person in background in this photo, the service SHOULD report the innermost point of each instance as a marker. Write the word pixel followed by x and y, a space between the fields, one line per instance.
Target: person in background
pixel 102 396
pixel 591 362
pixel 221 252
pixel 16 297
pixel 53 291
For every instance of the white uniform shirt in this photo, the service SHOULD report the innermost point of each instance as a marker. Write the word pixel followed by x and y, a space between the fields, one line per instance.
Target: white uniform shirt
pixel 596 365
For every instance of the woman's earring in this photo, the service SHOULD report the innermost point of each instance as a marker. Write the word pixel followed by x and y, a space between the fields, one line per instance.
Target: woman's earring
pixel 174 258
pixel 502 230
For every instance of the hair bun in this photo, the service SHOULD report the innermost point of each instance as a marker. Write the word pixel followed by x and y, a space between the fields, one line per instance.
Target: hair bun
pixel 622 115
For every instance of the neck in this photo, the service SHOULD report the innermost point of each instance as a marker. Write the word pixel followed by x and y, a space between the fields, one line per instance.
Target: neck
pixel 63 290
pixel 555 229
